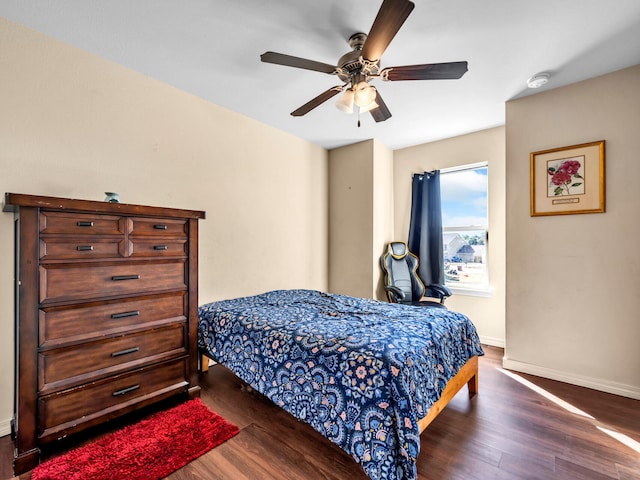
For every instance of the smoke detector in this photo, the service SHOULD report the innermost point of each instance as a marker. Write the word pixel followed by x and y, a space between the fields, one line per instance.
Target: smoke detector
pixel 538 80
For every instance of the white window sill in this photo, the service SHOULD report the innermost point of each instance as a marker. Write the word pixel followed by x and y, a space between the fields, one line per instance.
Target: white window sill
pixel 472 291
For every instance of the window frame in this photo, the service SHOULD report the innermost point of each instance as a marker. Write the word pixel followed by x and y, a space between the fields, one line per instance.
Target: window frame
pixel 474 289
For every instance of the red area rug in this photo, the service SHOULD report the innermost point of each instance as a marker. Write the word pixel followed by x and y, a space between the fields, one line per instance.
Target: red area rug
pixel 148 450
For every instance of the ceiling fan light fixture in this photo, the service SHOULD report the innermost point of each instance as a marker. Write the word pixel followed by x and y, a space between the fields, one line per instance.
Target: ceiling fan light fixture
pixel 345 101
pixel 368 108
pixel 364 95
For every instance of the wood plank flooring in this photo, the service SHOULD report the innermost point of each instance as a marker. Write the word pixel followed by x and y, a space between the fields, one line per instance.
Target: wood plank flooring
pixel 507 431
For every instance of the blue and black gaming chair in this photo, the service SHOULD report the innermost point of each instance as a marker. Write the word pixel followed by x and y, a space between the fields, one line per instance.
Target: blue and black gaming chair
pixel 401 281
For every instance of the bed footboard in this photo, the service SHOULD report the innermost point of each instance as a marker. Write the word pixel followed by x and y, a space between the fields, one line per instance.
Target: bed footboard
pixel 468 374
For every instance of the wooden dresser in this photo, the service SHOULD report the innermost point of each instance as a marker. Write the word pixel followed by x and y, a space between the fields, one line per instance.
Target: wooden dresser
pixel 106 313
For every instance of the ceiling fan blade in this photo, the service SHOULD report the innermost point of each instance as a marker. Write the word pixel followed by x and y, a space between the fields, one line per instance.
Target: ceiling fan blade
pixel 297 62
pixel 320 99
pixel 381 112
pixel 429 71
pixel 390 18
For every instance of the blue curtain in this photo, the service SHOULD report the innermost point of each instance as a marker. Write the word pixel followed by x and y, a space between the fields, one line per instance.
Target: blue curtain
pixel 425 227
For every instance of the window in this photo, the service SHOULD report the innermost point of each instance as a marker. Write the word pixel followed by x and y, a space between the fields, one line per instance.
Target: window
pixel 465 226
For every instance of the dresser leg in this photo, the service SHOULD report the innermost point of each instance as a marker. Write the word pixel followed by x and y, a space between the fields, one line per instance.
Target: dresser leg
pixel 194 391
pixel 25 461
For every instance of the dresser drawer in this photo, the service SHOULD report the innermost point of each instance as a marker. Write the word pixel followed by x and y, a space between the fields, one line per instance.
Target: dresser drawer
pixel 60 325
pixel 158 227
pixel 73 407
pixel 157 247
pixel 80 224
pixel 80 248
pixel 65 367
pixel 72 282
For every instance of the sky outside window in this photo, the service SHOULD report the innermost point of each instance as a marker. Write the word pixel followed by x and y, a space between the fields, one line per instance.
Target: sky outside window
pixel 464 198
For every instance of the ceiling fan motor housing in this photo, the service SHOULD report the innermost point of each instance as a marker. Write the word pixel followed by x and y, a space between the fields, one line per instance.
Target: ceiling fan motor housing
pixel 352 64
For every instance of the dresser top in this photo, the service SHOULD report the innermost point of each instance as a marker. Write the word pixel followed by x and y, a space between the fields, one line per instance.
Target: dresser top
pixel 12 201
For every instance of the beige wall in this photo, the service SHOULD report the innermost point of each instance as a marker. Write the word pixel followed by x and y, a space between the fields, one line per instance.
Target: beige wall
pixel 74 125
pixel 383 216
pixel 360 217
pixel 486 312
pixel 573 306
pixel 351 219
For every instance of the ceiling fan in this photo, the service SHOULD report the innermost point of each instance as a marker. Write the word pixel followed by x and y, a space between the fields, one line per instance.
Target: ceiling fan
pixel 361 65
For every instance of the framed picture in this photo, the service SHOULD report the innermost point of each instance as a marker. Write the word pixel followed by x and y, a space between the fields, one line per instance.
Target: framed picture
pixel 568 180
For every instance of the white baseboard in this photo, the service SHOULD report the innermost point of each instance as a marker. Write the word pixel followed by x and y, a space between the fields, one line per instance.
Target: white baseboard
pixel 621 389
pixel 494 342
pixel 5 427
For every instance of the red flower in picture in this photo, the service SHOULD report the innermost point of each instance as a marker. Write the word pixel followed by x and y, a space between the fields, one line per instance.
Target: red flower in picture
pixel 566 176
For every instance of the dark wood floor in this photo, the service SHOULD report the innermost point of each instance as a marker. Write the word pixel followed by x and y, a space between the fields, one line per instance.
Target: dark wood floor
pixel 508 431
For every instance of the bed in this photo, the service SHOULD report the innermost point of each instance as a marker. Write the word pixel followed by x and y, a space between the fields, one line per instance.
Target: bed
pixel 368 375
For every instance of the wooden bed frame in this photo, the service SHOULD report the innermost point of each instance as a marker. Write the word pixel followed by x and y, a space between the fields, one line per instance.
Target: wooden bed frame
pixel 468 374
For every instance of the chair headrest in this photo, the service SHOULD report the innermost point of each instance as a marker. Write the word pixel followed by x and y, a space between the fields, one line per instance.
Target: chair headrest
pixel 398 250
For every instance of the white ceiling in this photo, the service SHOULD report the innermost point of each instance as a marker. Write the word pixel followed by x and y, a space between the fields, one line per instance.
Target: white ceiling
pixel 211 48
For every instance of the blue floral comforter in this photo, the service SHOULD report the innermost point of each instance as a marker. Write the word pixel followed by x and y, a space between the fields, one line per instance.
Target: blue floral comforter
pixel 361 372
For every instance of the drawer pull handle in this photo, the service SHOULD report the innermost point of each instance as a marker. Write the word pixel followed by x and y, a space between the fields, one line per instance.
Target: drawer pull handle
pixel 160 227
pixel 160 247
pixel 85 224
pixel 125 314
pixel 117 278
pixel 125 352
pixel 126 390
pixel 85 248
